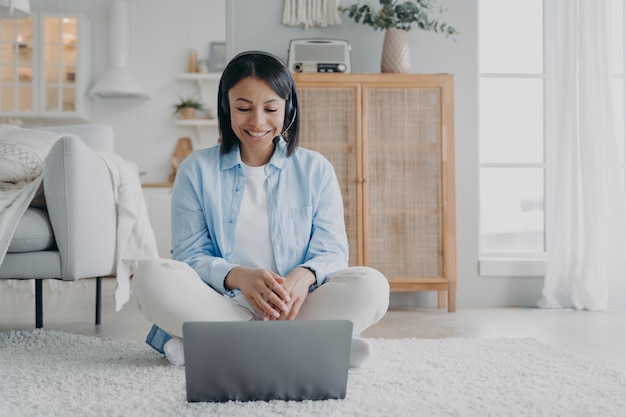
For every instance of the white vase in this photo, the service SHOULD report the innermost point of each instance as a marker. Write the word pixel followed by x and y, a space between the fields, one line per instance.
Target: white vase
pixel 396 53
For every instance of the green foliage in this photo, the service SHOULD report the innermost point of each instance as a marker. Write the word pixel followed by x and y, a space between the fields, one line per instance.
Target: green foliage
pixel 189 102
pixel 405 15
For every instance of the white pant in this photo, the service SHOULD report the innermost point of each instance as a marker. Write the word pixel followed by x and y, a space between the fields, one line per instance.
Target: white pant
pixel 170 293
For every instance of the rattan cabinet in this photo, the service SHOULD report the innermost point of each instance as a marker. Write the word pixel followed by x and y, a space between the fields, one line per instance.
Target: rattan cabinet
pixel 390 138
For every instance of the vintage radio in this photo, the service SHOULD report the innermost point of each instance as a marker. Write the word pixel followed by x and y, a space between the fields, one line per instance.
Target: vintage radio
pixel 319 55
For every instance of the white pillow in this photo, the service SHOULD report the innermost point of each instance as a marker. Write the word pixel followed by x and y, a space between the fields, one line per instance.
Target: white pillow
pixel 22 152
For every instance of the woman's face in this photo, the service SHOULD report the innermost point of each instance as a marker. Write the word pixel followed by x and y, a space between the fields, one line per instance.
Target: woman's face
pixel 257 116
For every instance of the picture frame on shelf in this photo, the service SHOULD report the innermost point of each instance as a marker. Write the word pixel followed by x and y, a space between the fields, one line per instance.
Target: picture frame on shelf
pixel 217 56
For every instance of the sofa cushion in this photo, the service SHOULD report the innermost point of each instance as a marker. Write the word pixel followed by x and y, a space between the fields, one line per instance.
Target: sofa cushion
pixel 33 232
pixel 22 153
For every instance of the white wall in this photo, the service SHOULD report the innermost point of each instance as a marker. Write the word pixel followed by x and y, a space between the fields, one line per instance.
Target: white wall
pixel 162 33
pixel 164 30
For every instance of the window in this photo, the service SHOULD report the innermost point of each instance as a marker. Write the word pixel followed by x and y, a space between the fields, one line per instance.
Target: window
pixel 511 126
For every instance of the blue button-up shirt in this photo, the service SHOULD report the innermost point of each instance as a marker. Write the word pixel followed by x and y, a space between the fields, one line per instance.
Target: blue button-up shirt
pixel 305 211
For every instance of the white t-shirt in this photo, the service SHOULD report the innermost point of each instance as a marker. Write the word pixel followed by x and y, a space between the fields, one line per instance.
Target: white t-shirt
pixel 253 245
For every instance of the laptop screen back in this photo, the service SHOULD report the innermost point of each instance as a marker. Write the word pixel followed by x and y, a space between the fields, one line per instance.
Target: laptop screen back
pixel 256 360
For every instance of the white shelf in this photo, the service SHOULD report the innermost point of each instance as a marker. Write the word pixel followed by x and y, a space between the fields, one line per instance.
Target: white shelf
pixel 199 124
pixel 196 122
pixel 199 79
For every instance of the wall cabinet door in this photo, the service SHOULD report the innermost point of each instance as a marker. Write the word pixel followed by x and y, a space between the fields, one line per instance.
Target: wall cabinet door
pixel 44 70
pixel 400 174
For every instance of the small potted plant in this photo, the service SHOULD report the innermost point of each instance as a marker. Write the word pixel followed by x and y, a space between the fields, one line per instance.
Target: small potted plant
pixel 396 18
pixel 187 106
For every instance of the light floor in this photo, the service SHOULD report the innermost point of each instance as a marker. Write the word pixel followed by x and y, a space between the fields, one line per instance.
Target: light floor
pixel 600 336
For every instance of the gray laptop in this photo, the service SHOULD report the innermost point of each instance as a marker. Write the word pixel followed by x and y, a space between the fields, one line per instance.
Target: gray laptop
pixel 267 360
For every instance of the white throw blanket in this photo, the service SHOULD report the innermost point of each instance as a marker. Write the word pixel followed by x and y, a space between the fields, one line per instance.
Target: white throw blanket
pixel 135 237
pixel 13 204
pixel 22 153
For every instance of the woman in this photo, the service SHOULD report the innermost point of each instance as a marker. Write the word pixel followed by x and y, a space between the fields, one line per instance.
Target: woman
pixel 257 224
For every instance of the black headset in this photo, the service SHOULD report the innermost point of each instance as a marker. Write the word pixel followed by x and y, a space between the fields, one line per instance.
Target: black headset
pixel 291 101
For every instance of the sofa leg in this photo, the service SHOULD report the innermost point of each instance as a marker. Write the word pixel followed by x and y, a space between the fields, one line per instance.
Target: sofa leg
pixel 39 303
pixel 98 300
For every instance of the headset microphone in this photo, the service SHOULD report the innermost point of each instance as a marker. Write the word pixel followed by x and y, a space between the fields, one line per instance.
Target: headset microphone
pixel 277 139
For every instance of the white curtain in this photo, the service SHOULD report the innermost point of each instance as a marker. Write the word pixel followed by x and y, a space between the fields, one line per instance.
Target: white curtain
pixel 585 209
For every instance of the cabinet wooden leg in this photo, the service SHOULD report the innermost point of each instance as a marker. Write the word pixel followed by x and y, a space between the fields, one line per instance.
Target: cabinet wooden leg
pixel 451 300
pixel 441 299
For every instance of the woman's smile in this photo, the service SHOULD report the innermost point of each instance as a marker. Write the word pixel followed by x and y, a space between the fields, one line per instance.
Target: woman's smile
pixel 256 134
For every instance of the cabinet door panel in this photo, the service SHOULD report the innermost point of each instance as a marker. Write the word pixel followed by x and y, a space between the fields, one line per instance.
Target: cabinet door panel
pixel 403 115
pixel 403 188
pixel 403 245
pixel 329 124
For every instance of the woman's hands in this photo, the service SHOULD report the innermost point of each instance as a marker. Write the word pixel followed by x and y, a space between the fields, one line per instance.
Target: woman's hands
pixel 275 297
pixel 297 284
pixel 262 288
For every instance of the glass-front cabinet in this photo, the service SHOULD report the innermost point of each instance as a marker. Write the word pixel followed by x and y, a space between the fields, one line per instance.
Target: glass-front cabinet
pixel 16 66
pixel 44 67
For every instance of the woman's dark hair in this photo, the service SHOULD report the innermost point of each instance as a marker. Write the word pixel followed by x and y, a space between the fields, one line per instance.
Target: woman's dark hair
pixel 273 71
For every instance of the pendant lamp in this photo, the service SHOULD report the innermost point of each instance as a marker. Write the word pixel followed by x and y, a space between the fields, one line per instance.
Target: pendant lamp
pixel 118 81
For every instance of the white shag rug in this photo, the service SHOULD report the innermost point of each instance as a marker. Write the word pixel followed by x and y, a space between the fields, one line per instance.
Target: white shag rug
pixel 52 373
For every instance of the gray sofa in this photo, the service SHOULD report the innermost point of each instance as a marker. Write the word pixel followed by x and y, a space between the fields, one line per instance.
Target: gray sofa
pixel 73 235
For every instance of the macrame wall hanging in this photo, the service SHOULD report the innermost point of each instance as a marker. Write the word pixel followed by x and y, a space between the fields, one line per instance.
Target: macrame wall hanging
pixel 311 13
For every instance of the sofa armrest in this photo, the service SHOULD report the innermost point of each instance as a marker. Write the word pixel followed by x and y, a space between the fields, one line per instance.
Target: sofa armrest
pixel 98 137
pixel 81 206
